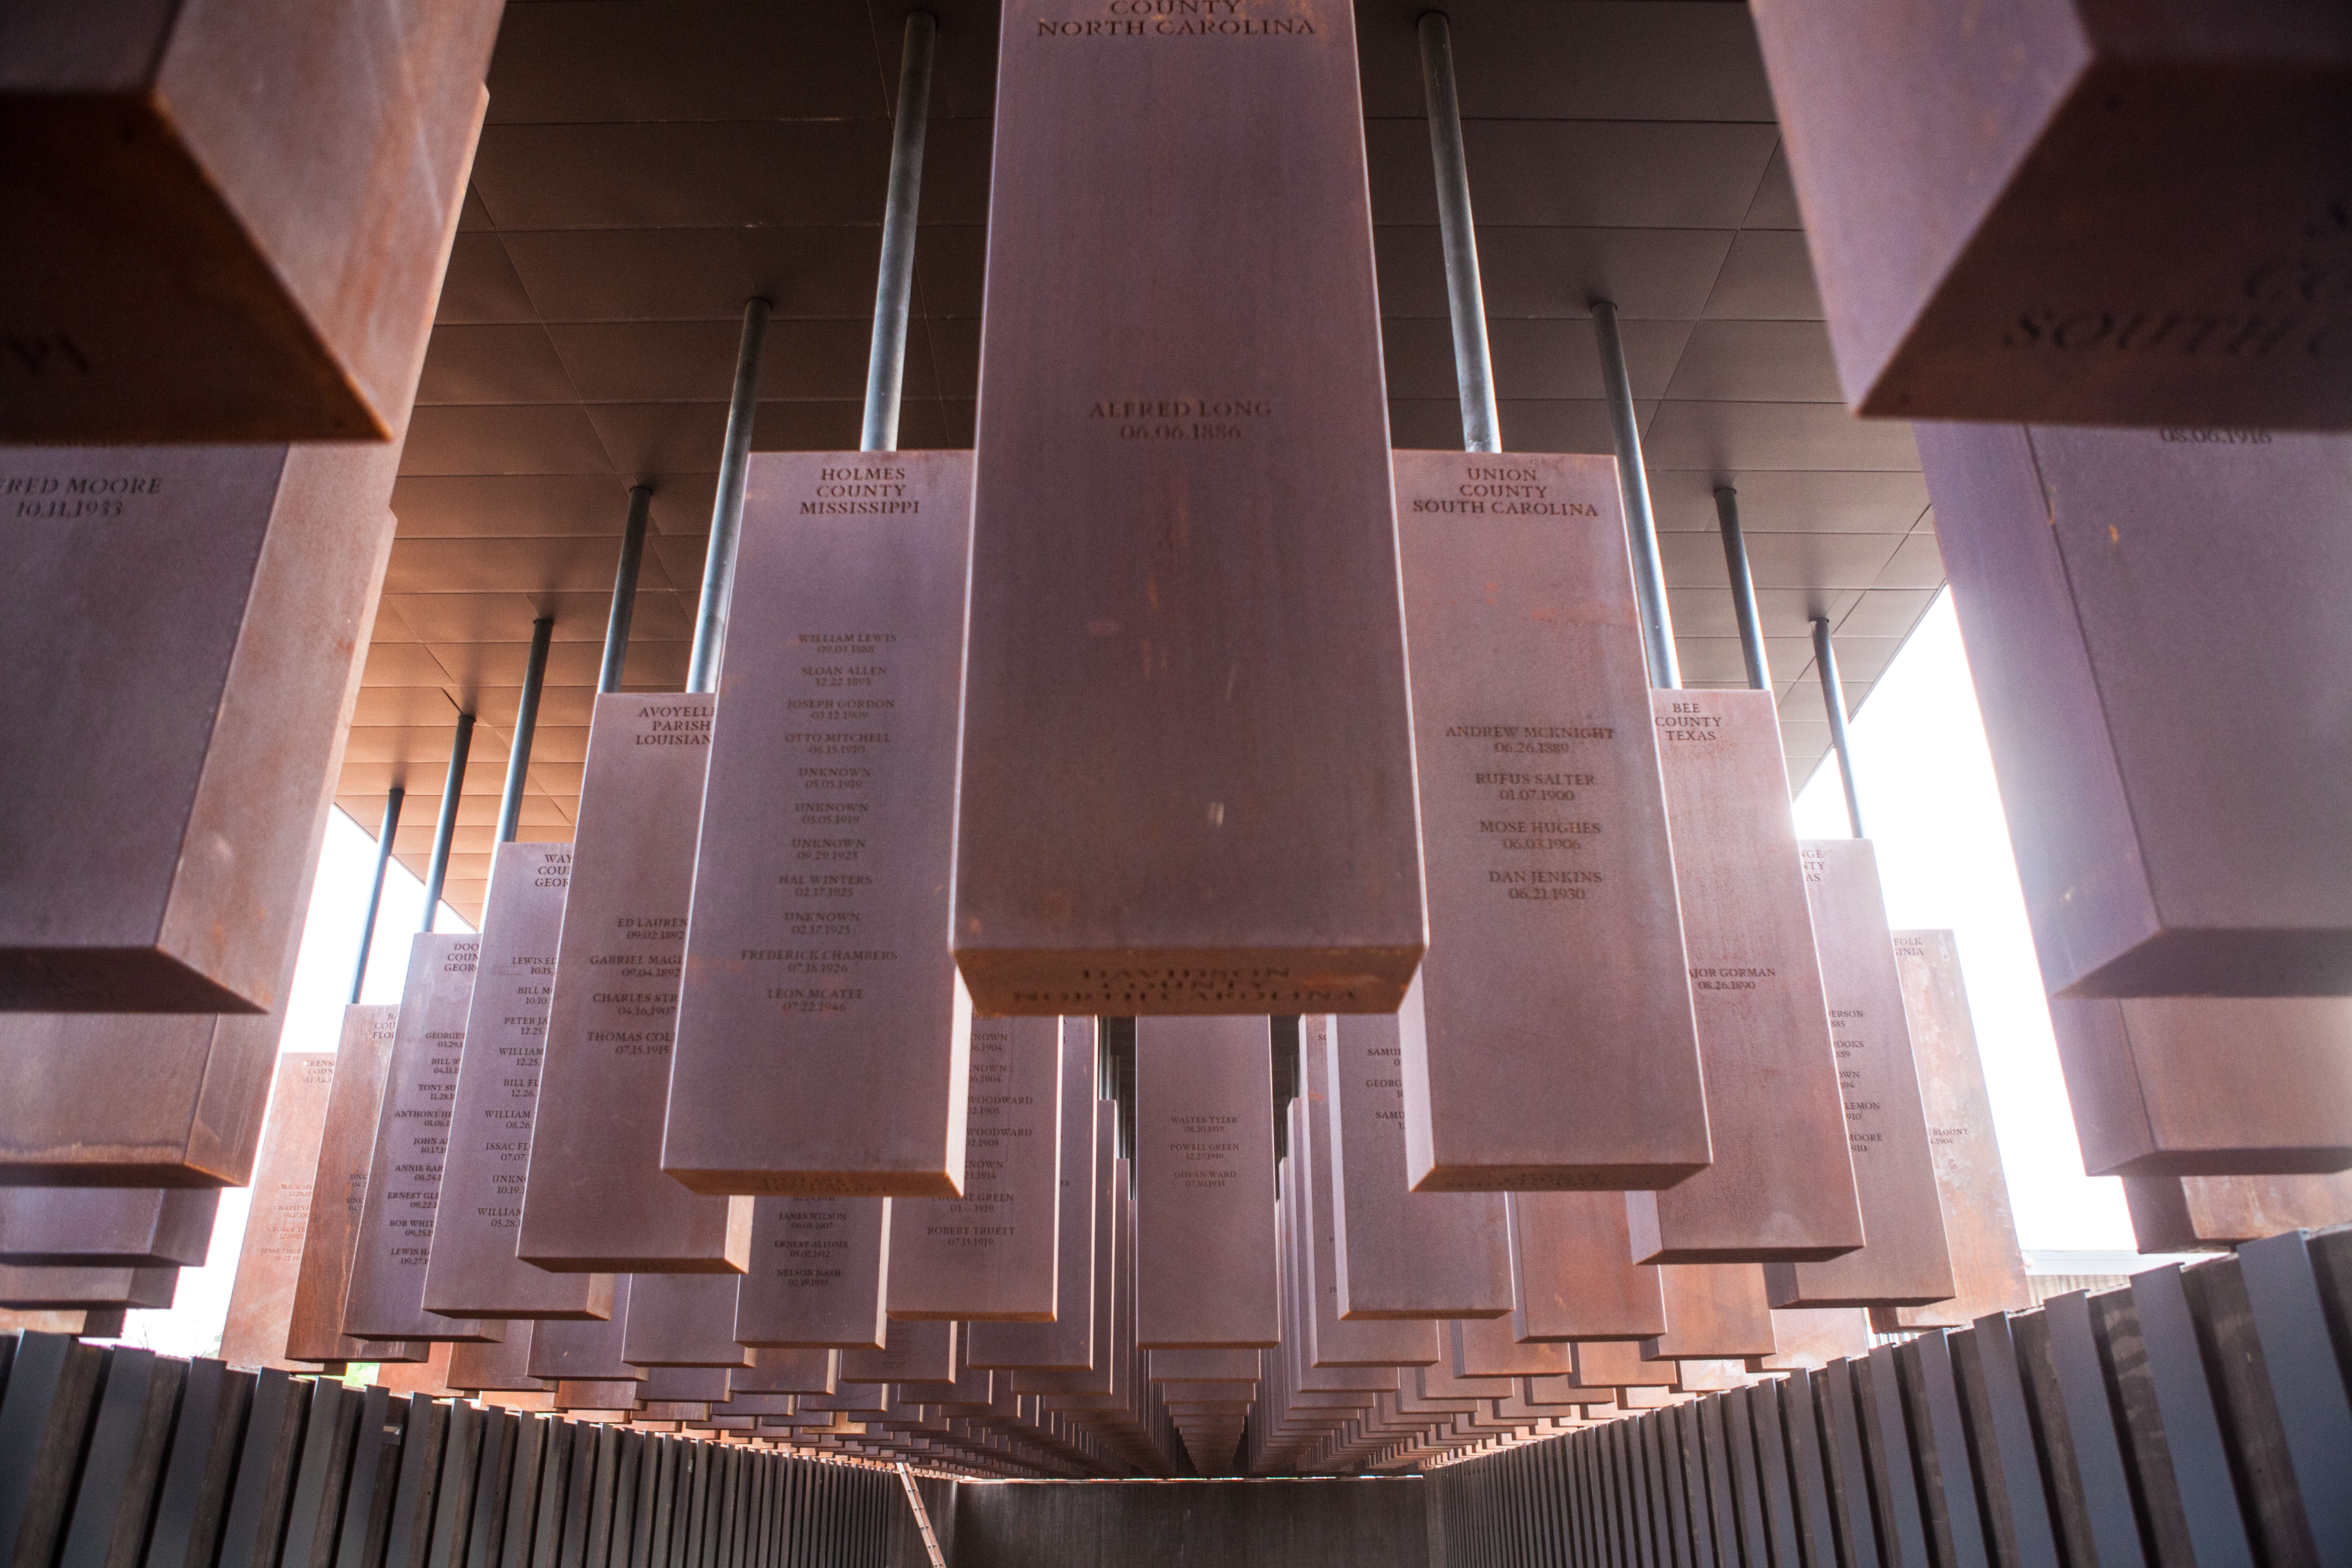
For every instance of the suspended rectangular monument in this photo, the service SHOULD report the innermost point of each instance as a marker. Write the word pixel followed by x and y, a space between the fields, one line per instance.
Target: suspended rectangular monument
pixel 1160 478
pixel 1715 1312
pixel 822 1034
pixel 1573 1274
pixel 2085 213
pixel 269 1259
pixel 227 264
pixel 1556 936
pixel 1085 1136
pixel 990 1255
pixel 1906 1261
pixel 2202 1214
pixel 819 1275
pixel 1205 1257
pixel 107 1228
pixel 183 796
pixel 96 1100
pixel 1329 1341
pixel 395 1237
pixel 314 1331
pixel 1781 1186
pixel 594 1199
pixel 2194 1086
pixel 1987 1266
pixel 2174 800
pixel 682 1320
pixel 1398 1253
pixel 474 1272
pixel 585 1350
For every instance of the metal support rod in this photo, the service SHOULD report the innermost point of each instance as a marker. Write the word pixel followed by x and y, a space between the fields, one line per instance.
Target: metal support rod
pixel 624 590
pixel 375 890
pixel 727 512
pixel 1743 589
pixel 886 368
pixel 1633 487
pixel 445 829
pixel 1833 698
pixel 534 677
pixel 1473 367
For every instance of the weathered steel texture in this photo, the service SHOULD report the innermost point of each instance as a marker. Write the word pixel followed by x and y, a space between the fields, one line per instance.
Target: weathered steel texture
pixel 1782 1184
pixel 1544 820
pixel 390 1246
pixel 1205 1250
pixel 1988 1268
pixel 1068 1340
pixel 473 1271
pixel 314 1331
pixel 2197 1085
pixel 1906 1262
pixel 992 1253
pixel 158 1227
pixel 814 977
pixel 256 1332
pixel 2171 802
pixel 1151 487
pixel 1397 1253
pixel 595 1199
pixel 219 268
pixel 2205 1214
pixel 2078 213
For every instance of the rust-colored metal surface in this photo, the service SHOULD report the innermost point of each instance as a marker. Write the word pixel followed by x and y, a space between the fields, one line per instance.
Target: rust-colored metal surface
pixel 586 1349
pixel 474 1272
pixel 1157 478
pixel 1613 1364
pixel 1556 938
pixel 1109 1204
pixel 248 215
pixel 184 837
pixel 314 1330
pixel 819 1275
pixel 1086 1135
pixel 89 1100
pixel 1573 1274
pixel 1906 1261
pixel 2074 212
pixel 1205 1260
pixel 1813 1337
pixel 787 1372
pixel 682 1320
pixel 499 1368
pixel 2192 1086
pixel 1987 1266
pixel 2173 800
pixel 1487 1347
pixel 595 1199
pixel 2209 1214
pixel 1326 1340
pixel 393 1239
pixel 269 1259
pixel 815 977
pixel 910 1353
pixel 1715 1312
pixel 992 1253
pixel 184 792
pixel 66 1289
pixel 109 1228
pixel 1782 1184
pixel 1397 1253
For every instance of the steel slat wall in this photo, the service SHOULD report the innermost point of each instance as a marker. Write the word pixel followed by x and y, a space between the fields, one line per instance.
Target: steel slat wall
pixel 121 1458
pixel 2199 1414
